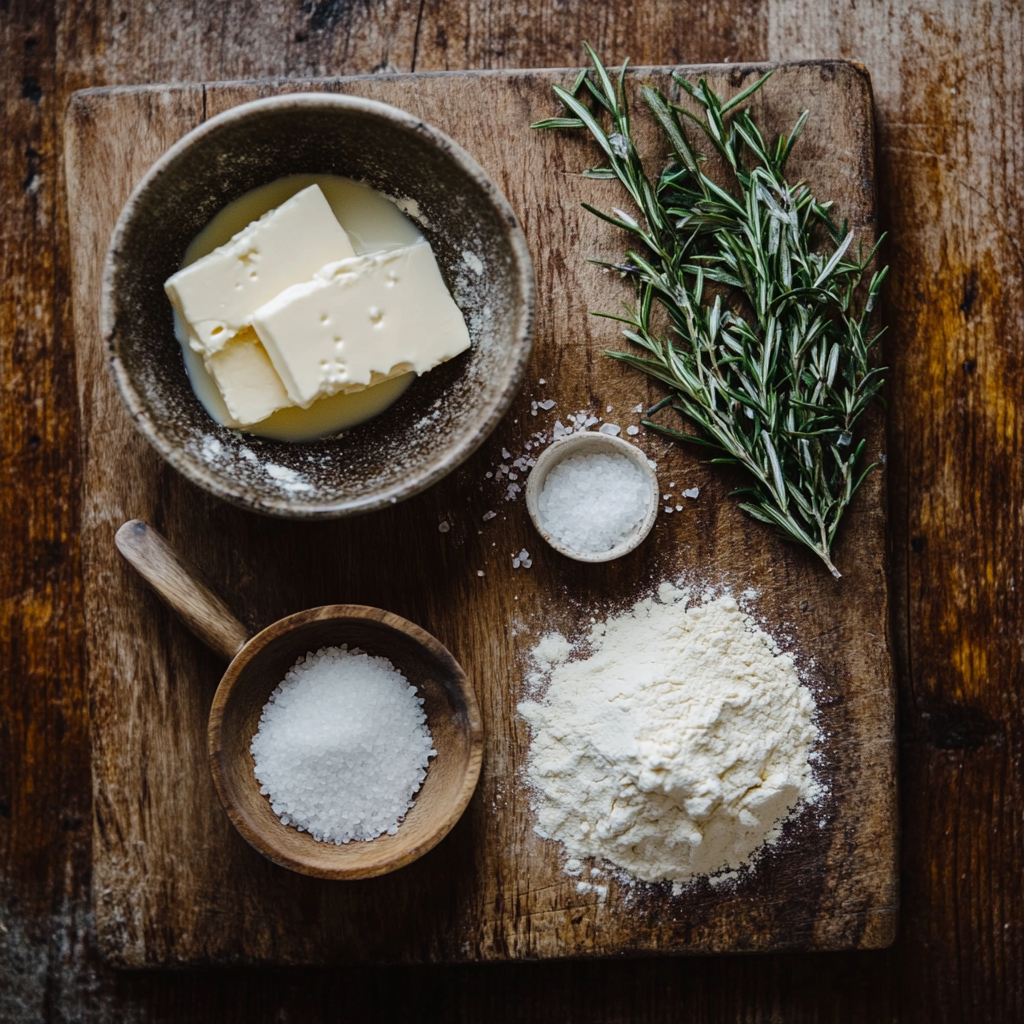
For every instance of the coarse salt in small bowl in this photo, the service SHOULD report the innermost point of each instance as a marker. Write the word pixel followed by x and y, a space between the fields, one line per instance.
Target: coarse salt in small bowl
pixel 559 534
pixel 452 716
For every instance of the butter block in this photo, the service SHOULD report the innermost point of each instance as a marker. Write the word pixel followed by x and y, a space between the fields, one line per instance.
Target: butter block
pixel 359 317
pixel 246 378
pixel 217 294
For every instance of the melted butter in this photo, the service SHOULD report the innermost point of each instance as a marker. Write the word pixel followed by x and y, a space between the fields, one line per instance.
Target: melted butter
pixel 373 223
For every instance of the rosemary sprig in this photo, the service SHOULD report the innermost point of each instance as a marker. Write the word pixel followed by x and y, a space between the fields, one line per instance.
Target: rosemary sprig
pixel 769 337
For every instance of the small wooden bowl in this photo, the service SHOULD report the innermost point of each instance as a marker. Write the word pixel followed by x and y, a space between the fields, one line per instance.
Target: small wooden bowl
pixel 587 443
pixel 452 717
pixel 259 664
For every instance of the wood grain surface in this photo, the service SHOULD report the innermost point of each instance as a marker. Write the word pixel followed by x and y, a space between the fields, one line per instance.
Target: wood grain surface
pixel 949 87
pixel 174 885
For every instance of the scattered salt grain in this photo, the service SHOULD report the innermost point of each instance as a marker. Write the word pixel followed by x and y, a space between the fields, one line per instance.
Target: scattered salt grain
pixel 542 381
pixel 489 515
pixel 479 572
pixel 443 527
pixel 593 502
pixel 548 403
pixel 638 408
pixel 632 431
pixel 608 409
pixel 522 559
pixel 691 492
pixel 342 746
pixel 609 428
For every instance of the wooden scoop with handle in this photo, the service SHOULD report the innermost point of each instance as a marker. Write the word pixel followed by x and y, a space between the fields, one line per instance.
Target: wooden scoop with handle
pixel 259 663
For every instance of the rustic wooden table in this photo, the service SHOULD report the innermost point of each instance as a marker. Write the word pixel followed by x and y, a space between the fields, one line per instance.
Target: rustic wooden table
pixel 949 93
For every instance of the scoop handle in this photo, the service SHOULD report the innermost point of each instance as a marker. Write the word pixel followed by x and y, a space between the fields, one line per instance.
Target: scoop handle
pixel 179 585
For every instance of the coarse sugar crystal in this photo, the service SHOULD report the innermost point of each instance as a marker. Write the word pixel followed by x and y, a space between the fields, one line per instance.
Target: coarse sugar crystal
pixel 342 746
pixel 593 502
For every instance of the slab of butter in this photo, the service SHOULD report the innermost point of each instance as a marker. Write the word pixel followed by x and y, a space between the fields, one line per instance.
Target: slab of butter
pixel 246 379
pixel 217 294
pixel 358 317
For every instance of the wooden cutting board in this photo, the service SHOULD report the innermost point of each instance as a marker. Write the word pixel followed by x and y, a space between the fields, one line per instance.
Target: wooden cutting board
pixel 173 882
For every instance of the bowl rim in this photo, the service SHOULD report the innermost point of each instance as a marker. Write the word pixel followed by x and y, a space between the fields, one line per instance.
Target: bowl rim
pixel 257 837
pixel 562 449
pixel 237 493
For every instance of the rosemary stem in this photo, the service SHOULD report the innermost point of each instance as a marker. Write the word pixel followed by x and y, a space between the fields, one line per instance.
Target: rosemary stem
pixel 824 556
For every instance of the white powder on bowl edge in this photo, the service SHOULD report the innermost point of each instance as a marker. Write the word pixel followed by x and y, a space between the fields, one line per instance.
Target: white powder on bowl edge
pixel 677 748
pixel 342 746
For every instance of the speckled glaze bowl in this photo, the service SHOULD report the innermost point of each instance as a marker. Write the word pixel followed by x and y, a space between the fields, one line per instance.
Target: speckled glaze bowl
pixel 439 421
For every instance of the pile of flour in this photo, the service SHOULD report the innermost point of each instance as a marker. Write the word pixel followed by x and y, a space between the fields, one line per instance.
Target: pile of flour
pixel 677 747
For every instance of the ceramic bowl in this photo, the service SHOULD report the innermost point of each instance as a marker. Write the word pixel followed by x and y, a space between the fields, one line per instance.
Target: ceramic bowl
pixel 439 421
pixel 589 443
